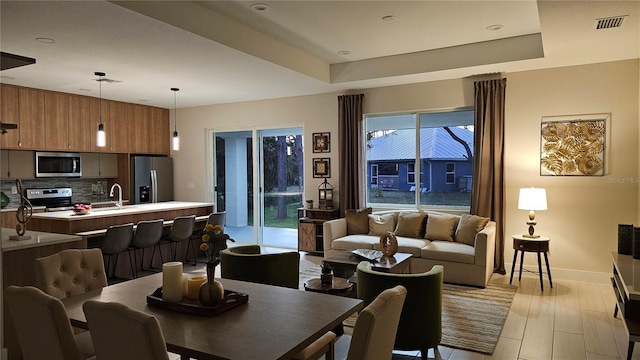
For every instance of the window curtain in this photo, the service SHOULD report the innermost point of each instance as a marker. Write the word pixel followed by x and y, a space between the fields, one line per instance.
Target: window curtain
pixel 350 122
pixel 487 196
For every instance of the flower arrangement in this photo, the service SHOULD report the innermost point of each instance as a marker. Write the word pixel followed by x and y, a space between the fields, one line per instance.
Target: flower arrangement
pixel 214 240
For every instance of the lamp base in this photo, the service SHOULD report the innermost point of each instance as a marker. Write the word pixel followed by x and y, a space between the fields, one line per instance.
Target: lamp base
pixel 530 236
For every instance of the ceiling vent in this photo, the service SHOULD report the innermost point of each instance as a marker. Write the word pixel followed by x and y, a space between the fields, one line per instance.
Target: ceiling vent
pixel 107 80
pixel 610 22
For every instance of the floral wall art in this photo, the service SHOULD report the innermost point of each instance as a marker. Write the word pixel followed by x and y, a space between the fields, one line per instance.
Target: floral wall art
pixel 573 147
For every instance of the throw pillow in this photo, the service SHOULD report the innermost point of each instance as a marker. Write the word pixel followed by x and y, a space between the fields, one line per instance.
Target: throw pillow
pixel 468 227
pixel 358 221
pixel 381 224
pixel 411 224
pixel 440 226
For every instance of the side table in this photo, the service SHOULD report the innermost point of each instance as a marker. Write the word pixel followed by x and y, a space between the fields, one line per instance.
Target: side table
pixel 537 245
pixel 338 286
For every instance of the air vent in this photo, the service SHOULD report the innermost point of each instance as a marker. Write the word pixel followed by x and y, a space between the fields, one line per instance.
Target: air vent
pixel 107 80
pixel 610 22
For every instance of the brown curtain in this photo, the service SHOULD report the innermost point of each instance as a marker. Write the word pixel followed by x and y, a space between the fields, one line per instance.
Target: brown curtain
pixel 487 197
pixel 351 153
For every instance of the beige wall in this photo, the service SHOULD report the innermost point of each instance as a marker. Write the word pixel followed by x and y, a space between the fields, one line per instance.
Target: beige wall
pixel 583 211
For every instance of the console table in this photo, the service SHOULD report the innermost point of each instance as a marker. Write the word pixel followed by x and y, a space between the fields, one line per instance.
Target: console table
pixel 626 286
pixel 310 235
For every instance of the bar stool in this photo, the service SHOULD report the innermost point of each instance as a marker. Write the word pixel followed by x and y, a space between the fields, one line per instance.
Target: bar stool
pixel 181 230
pixel 116 240
pixel 216 218
pixel 148 234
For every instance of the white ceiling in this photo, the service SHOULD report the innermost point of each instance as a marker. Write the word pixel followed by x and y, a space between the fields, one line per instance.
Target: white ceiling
pixel 223 51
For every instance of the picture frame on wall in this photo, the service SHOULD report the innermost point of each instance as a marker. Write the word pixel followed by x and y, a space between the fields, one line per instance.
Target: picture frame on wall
pixel 321 167
pixel 321 142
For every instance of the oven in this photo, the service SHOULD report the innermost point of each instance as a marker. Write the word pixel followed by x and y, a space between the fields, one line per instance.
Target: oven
pixel 54 199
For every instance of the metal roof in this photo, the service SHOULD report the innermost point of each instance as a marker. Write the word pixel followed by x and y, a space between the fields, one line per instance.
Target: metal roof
pixel 435 143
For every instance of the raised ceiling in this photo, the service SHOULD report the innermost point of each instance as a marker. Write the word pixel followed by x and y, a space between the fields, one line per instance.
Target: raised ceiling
pixel 225 51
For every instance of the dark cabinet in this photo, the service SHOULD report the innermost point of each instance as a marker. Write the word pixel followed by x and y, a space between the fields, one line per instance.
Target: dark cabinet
pixel 310 222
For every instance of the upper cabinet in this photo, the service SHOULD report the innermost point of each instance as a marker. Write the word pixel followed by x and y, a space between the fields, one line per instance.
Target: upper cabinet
pixel 49 120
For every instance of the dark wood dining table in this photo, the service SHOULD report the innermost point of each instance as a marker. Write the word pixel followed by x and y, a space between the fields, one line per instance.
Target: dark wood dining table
pixel 276 322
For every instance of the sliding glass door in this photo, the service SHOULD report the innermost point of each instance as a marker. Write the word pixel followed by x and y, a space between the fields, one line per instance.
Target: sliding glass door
pixel 257 178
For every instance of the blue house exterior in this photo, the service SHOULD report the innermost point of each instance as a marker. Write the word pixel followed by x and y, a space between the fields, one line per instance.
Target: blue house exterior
pixel 444 166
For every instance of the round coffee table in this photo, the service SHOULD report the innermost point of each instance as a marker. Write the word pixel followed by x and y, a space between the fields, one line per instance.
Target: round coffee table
pixel 337 286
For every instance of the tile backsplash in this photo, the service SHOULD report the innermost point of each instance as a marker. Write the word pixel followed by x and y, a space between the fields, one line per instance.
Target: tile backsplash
pixel 84 190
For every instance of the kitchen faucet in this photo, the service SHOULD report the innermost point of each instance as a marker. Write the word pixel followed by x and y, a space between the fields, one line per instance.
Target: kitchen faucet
pixel 119 203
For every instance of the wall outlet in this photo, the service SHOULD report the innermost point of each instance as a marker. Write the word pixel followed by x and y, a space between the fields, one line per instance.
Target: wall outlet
pixel 14 190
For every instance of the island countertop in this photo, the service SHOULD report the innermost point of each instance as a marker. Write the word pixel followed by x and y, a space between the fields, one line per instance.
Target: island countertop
pixel 37 239
pixel 67 222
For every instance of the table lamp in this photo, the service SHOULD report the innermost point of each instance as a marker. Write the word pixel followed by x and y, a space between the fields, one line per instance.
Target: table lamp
pixel 532 199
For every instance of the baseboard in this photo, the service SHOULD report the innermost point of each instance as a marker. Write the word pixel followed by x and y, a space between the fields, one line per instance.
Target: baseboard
pixel 565 274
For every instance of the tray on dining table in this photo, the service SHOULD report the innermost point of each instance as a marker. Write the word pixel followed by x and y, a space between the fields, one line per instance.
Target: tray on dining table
pixel 231 300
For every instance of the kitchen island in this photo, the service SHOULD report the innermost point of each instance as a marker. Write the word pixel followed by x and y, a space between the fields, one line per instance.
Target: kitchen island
pixel 67 222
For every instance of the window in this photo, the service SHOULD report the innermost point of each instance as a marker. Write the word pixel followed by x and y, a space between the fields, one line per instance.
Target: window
pixel 420 159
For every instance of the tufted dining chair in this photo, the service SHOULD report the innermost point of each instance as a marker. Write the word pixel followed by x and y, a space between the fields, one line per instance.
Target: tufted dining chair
pixel 43 328
pixel 138 334
pixel 70 272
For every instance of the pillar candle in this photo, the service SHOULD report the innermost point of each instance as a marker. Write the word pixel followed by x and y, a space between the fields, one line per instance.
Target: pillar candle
pixel 194 286
pixel 172 287
pixel 185 285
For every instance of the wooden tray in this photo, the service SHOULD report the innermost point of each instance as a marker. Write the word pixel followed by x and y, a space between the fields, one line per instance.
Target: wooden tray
pixel 231 299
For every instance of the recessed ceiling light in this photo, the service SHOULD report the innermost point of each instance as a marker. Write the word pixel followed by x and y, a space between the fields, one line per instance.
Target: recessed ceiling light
pixel 495 27
pixel 45 40
pixel 260 7
pixel 344 52
pixel 388 18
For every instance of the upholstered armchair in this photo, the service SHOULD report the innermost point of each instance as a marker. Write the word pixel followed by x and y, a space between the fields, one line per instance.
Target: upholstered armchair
pixel 247 263
pixel 420 325
pixel 70 272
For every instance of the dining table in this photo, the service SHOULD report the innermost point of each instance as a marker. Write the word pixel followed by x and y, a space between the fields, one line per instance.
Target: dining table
pixel 275 323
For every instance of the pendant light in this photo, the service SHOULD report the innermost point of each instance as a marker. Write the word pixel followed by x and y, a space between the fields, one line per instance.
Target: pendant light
pixel 176 139
pixel 102 138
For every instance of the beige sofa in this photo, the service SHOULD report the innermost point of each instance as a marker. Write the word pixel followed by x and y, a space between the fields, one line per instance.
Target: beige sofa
pixel 464 244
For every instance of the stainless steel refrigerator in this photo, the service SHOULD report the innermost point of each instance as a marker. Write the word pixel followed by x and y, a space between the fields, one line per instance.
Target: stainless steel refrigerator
pixel 151 179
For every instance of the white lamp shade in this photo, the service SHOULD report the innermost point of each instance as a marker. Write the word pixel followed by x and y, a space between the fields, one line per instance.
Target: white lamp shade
pixel 101 139
pixel 532 199
pixel 176 141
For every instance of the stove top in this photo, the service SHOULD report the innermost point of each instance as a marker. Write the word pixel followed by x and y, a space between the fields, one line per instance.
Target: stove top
pixel 55 199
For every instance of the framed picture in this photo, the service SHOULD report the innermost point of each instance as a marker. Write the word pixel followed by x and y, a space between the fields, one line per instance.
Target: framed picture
pixel 321 142
pixel 573 146
pixel 321 167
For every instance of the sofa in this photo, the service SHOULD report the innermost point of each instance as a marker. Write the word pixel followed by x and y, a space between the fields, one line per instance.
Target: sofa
pixel 463 244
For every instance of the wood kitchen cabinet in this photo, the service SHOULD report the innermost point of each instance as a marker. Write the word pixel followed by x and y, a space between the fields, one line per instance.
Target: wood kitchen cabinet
pixel 83 114
pixel 159 138
pixel 25 108
pixel 56 124
pixel 97 165
pixel 139 130
pixel 121 117
pixel 17 164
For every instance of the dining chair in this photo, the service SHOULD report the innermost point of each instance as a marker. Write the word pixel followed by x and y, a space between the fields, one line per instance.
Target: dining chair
pixel 181 230
pixel 117 240
pixel 422 308
pixel 247 263
pixel 373 334
pixel 147 235
pixel 70 272
pixel 120 332
pixel 43 327
pixel 215 218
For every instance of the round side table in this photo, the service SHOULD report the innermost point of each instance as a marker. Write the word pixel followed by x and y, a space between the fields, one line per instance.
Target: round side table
pixel 537 245
pixel 337 286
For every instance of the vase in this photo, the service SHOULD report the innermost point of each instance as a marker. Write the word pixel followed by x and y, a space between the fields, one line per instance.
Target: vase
pixel 211 291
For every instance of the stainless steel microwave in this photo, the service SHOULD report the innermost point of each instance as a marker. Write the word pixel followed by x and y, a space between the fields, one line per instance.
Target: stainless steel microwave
pixel 58 164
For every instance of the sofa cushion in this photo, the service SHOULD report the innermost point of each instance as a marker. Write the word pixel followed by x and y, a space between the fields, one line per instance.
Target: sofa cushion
pixel 411 224
pixel 407 245
pixel 352 242
pixel 468 227
pixel 358 221
pixel 441 226
pixel 381 224
pixel 449 251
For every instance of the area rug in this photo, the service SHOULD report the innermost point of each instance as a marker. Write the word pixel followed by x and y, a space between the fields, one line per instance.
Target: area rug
pixel 472 318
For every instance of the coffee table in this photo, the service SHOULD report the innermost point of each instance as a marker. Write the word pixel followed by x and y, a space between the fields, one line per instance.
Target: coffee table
pixel 344 264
